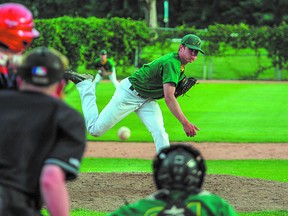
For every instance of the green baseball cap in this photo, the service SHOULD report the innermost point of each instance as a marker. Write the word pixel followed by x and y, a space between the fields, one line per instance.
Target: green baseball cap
pixel 192 42
pixel 103 52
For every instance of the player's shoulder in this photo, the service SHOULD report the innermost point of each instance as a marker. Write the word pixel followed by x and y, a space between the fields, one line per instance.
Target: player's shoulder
pixel 97 61
pixel 169 59
pixel 24 96
pixel 64 108
pixel 172 57
pixel 169 56
pixel 60 107
pixel 206 195
pixel 111 61
pixel 10 97
pixel 69 116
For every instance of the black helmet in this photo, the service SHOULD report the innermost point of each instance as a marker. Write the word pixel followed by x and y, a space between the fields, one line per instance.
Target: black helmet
pixel 42 66
pixel 179 167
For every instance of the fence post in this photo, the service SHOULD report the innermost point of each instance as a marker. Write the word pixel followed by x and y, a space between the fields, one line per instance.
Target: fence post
pixel 210 76
pixel 204 69
pixel 278 74
pixel 136 60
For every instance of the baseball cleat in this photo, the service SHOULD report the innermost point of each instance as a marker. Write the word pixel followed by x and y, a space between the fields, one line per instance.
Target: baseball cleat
pixel 76 77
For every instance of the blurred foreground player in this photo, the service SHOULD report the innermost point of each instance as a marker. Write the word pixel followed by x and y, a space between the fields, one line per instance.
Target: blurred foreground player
pixel 179 172
pixel 42 139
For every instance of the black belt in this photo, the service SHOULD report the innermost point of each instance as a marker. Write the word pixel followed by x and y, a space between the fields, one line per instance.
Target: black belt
pixel 139 95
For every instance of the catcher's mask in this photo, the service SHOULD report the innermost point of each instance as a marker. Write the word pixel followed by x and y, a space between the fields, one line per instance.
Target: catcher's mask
pixel 16 27
pixel 179 167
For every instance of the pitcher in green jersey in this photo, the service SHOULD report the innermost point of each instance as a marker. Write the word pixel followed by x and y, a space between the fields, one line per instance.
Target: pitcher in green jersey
pixel 139 93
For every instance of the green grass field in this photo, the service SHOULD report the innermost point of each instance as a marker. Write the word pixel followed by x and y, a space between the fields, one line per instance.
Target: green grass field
pixel 225 112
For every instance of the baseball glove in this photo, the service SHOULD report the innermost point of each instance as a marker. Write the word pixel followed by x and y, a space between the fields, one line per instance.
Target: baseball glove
pixel 184 85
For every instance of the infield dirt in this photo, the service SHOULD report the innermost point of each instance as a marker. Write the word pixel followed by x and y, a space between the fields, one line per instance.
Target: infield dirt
pixel 107 191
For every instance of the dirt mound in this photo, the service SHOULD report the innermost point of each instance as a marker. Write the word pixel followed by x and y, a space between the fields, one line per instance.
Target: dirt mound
pixel 107 191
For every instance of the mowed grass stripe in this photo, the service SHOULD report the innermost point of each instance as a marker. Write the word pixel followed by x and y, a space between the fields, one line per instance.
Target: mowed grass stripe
pixel 275 170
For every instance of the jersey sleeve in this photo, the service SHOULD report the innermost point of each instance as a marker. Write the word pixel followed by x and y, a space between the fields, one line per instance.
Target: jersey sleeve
pixel 70 143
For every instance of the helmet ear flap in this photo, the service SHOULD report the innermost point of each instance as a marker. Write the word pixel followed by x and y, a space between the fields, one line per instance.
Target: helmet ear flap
pixel 162 155
pixel 16 27
pixel 179 167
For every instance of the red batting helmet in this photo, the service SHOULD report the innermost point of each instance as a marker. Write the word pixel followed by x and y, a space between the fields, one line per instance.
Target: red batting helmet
pixel 16 27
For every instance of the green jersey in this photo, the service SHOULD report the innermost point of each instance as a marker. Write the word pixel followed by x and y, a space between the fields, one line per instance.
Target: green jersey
pixel 201 204
pixel 108 65
pixel 149 79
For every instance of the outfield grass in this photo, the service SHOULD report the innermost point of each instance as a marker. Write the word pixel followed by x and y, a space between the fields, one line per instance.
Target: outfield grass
pixel 225 112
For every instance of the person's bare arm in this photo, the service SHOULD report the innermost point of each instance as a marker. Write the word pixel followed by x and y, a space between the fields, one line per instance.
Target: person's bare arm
pixel 54 191
pixel 173 105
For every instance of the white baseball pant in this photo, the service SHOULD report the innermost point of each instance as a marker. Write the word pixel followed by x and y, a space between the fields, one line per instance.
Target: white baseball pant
pixel 111 76
pixel 123 102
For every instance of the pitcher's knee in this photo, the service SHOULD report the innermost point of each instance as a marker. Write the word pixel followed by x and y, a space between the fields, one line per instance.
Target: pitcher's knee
pixel 94 132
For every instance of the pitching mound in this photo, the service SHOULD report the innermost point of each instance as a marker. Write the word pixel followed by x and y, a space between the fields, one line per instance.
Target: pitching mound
pixel 107 191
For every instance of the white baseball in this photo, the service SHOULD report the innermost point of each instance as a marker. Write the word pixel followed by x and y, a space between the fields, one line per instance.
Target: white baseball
pixel 124 133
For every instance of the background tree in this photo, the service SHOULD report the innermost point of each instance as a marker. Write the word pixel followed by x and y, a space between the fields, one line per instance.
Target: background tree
pixel 196 13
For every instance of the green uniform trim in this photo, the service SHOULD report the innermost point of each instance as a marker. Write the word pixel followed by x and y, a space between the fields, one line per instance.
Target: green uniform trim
pixel 201 204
